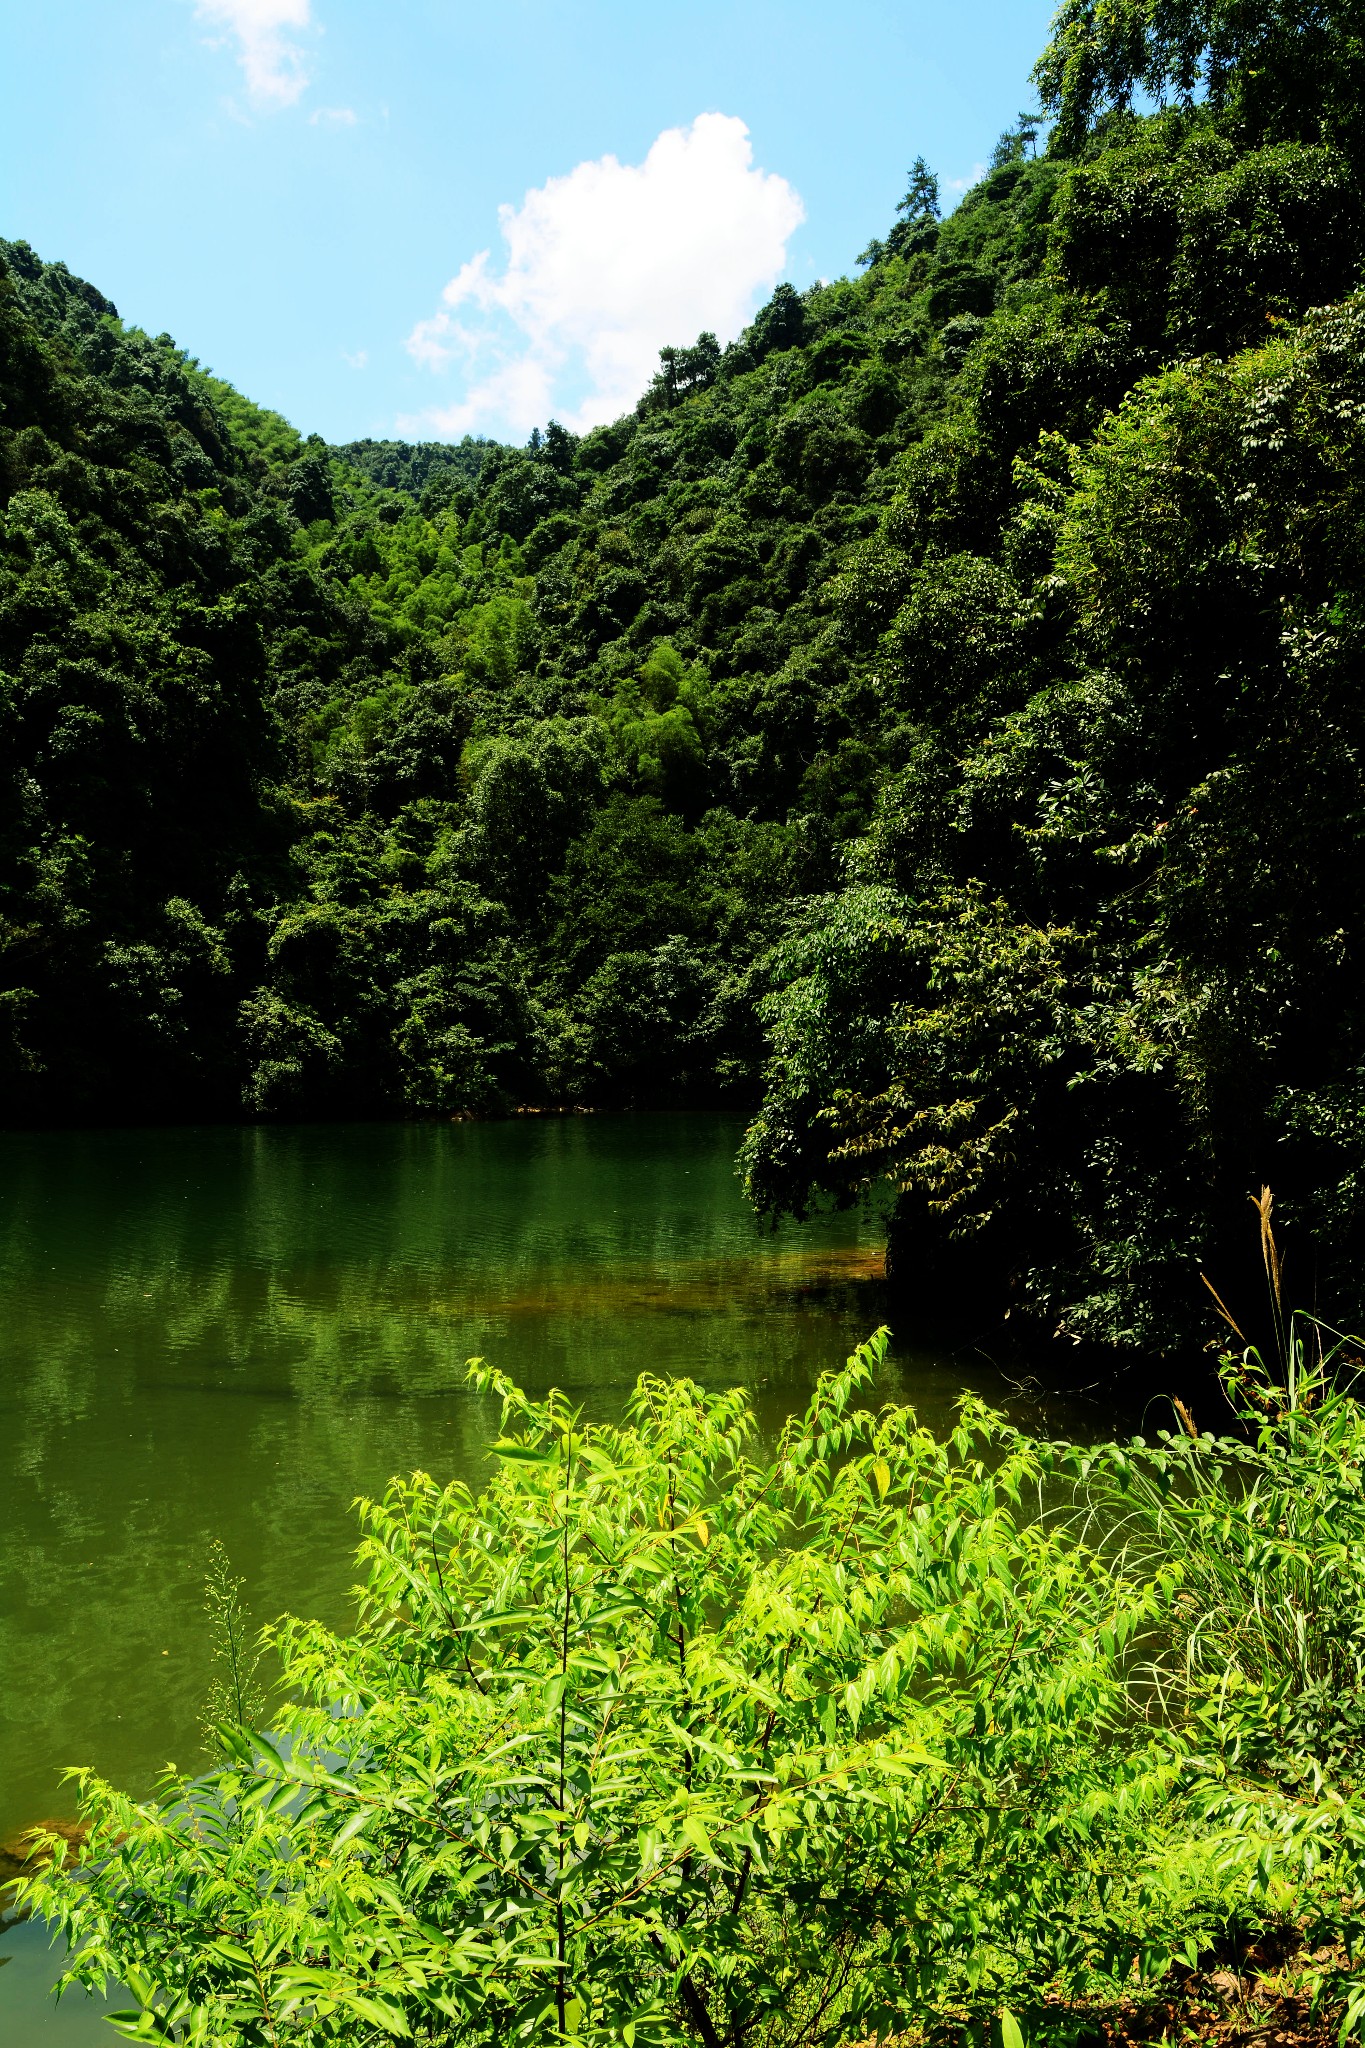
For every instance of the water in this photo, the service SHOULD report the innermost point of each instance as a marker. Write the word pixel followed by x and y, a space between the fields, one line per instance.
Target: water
pixel 233 1332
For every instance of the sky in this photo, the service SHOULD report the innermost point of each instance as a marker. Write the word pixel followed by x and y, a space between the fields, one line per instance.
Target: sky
pixel 429 218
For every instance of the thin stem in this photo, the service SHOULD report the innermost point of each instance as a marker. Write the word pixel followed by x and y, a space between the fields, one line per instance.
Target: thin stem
pixel 693 2003
pixel 561 1947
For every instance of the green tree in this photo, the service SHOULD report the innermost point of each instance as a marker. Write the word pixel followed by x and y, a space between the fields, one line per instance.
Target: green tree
pixel 920 206
pixel 1282 68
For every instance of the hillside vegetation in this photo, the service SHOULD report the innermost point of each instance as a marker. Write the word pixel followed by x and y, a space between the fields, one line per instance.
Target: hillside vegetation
pixel 932 722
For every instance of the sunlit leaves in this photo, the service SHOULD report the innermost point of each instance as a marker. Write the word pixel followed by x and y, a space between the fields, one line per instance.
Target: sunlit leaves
pixel 657 1731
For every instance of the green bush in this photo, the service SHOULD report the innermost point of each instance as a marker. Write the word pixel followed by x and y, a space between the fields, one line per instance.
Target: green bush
pixel 661 1738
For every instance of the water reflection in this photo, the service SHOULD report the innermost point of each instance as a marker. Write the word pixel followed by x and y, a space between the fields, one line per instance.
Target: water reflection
pixel 234 1332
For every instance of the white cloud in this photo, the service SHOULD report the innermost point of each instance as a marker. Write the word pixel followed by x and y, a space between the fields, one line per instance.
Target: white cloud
pixel 359 360
pixel 333 117
pixel 273 64
pixel 604 267
pixel 960 185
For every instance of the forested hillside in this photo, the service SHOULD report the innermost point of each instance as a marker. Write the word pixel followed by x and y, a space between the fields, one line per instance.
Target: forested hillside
pixel 933 722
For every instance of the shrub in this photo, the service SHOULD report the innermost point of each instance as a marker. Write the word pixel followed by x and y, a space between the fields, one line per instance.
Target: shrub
pixel 658 1738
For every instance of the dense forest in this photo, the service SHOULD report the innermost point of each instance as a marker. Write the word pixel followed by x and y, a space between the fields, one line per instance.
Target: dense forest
pixel 931 723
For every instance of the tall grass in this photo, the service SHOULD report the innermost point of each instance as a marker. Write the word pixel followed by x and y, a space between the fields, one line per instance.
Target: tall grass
pixel 1265 1522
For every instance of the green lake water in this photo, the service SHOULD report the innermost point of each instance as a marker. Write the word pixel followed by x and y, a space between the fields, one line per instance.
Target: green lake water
pixel 233 1332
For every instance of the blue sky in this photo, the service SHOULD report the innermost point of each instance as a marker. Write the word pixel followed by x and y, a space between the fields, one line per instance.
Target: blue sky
pixel 430 217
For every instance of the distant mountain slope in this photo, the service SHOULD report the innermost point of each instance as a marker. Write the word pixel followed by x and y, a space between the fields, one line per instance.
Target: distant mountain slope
pixel 934 721
pixel 403 466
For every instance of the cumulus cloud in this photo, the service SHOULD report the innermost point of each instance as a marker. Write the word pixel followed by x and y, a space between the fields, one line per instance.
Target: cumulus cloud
pixel 358 361
pixel 604 267
pixel 272 63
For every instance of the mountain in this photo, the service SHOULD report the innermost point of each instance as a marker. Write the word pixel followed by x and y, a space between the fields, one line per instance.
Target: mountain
pixel 933 722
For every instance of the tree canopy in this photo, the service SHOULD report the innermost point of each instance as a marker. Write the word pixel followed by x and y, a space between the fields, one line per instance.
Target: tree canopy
pixel 931 721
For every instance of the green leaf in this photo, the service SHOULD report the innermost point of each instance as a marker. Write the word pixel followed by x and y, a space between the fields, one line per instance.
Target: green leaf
pixel 694 1831
pixel 379 2013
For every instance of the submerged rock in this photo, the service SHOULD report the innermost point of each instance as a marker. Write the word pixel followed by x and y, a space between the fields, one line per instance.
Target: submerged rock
pixel 16 1856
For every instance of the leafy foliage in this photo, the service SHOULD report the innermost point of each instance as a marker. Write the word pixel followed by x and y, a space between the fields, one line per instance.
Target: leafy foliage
pixel 656 1738
pixel 1287 66
pixel 659 1737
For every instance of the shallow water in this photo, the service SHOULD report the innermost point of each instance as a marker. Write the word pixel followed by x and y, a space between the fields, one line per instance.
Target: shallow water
pixel 233 1332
